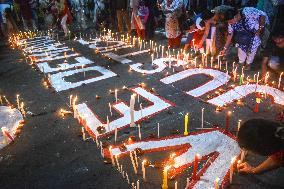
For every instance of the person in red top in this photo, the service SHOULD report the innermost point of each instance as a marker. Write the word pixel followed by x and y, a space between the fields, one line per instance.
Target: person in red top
pixel 263 137
pixel 65 16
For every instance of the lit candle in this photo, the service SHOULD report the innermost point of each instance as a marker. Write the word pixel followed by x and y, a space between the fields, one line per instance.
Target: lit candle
pixel 110 109
pixel 83 134
pixel 243 155
pixel 137 184
pixel 23 110
pixel 163 51
pixel 216 183
pixel 176 185
pixel 115 94
pixel 195 61
pixel 133 163
pixel 211 62
pixel 136 159
pixel 144 170
pixel 232 169
pixel 279 81
pixel 139 131
pixel 18 102
pixel 239 124
pixel 165 178
pixel 117 163
pixel 195 167
pixel 127 178
pixel 152 55
pixel 186 125
pixel 111 156
pixel 229 113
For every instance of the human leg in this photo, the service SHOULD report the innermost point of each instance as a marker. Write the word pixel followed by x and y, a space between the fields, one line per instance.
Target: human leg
pixel 242 56
pixel 119 20
pixel 63 24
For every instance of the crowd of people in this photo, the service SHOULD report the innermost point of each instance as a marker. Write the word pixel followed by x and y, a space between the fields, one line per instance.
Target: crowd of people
pixel 211 26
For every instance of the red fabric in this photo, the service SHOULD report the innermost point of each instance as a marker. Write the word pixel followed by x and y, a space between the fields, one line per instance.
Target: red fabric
pixel 175 42
pixel 65 11
pixel 140 32
pixel 197 36
pixel 279 156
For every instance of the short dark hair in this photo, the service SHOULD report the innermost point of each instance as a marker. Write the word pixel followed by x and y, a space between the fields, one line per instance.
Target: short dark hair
pixel 259 136
pixel 206 15
pixel 230 14
pixel 278 31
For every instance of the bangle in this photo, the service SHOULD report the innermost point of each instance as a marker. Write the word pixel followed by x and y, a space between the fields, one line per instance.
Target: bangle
pixel 260 27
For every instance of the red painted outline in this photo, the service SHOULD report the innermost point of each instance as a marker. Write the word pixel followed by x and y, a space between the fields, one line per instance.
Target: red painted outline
pixel 182 149
pixel 83 123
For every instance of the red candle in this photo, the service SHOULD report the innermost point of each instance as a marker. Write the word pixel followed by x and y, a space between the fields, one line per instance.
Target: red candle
pixel 228 117
pixel 195 167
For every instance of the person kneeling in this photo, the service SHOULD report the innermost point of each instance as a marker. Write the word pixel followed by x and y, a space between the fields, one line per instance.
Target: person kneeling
pixel 263 137
pixel 274 53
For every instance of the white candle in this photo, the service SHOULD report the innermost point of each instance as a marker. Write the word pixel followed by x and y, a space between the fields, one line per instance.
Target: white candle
pixel 139 131
pixel 18 102
pixel 195 61
pixel 115 94
pixel 202 118
pixel 211 62
pixel 127 178
pixel 279 81
pixel 243 155
pixel 132 104
pixel 257 77
pixel 216 183
pixel 117 163
pixel 162 51
pixel 176 185
pixel 141 110
pixel 239 124
pixel 110 109
pixel 83 134
pixel 136 159
pixel 102 150
pixel 144 170
pixel 152 55
pixel 108 128
pixel 111 156
pixel 133 163
pixel 158 130
pixel 232 169
pixel 97 141
pixel 115 134
pixel 137 184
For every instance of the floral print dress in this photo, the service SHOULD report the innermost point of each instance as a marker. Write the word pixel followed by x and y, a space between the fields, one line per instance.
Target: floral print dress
pixel 172 9
pixel 250 24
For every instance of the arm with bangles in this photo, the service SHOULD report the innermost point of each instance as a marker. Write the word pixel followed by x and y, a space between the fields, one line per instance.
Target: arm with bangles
pixel 270 163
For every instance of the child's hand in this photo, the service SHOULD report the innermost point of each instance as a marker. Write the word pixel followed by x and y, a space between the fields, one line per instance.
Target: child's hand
pixel 245 168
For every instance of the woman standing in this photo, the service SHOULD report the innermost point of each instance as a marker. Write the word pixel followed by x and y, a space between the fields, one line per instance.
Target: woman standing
pixel 172 9
pixel 139 17
pixel 245 26
pixel 65 15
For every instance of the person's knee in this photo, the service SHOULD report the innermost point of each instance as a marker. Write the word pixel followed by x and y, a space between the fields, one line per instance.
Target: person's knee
pixel 274 62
